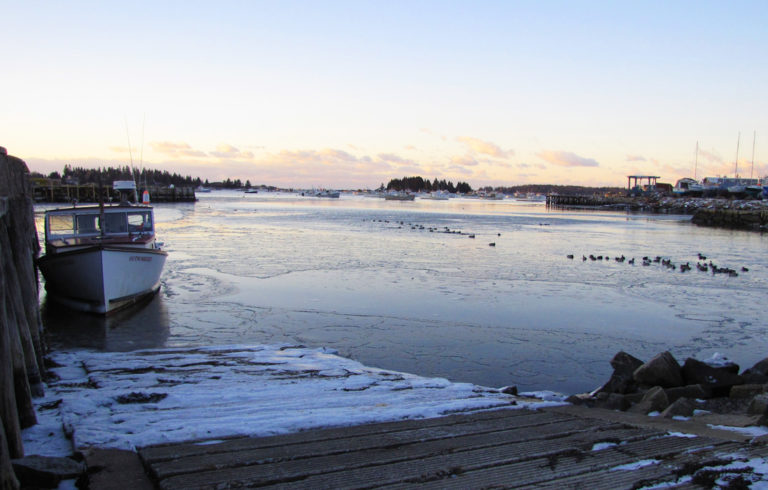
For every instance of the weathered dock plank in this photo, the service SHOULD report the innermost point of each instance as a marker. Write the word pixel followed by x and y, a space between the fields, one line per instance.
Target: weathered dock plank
pixel 504 448
pixel 167 452
pixel 380 447
pixel 416 461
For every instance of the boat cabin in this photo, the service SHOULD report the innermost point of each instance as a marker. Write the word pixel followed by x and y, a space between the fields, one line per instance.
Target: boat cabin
pixel 87 226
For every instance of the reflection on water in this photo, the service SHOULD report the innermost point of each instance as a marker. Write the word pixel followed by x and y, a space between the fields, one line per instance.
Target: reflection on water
pixel 144 325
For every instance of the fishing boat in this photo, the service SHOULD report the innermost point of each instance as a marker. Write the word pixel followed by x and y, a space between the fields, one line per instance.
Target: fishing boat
pixel 399 196
pixel 101 258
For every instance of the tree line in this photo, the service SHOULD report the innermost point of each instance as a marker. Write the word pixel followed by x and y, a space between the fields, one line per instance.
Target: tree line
pixel 107 175
pixel 420 184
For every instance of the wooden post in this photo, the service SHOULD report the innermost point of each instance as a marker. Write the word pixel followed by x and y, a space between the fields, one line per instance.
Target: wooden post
pixel 21 346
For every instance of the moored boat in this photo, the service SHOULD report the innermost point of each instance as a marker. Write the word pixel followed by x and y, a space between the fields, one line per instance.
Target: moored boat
pixel 99 259
pixel 400 196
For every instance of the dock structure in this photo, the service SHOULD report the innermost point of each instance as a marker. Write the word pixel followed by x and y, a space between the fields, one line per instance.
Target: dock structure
pixel 559 447
pixel 556 200
pixel 47 190
pixel 640 178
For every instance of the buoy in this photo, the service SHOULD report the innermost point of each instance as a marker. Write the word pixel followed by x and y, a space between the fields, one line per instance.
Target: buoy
pixel 145 197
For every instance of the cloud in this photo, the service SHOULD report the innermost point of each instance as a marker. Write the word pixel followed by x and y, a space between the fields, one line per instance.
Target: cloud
pixel 462 162
pixel 484 147
pixel 635 158
pixel 175 150
pixel 230 152
pixel 566 159
pixel 710 156
pixel 396 159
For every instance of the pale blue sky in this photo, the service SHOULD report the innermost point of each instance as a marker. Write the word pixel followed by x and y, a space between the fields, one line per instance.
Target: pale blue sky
pixel 351 94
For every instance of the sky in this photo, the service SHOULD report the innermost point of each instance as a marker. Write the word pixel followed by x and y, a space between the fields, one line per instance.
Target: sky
pixel 350 94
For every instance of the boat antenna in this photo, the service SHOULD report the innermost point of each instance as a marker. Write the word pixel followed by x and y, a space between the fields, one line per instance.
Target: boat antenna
pixel 754 137
pixel 141 155
pixel 101 205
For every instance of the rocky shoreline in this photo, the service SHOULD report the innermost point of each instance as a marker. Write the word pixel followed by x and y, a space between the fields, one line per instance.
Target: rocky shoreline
pixel 716 212
pixel 661 386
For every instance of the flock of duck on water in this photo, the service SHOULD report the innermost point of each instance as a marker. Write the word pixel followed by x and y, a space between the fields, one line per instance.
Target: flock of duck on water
pixel 432 229
pixel 701 265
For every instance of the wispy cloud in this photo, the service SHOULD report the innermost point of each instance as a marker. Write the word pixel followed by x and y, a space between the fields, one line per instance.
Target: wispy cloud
pixel 230 152
pixel 462 162
pixel 566 159
pixel 635 158
pixel 485 147
pixel 176 150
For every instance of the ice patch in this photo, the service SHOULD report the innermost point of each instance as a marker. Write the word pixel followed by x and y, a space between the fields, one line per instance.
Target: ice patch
pixel 132 399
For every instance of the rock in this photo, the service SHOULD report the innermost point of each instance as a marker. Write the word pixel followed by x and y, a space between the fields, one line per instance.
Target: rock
pixel 509 390
pixel 584 399
pixel 719 380
pixel 682 407
pixel 663 370
pixel 747 390
pixel 757 373
pixel 758 405
pixel 621 380
pixel 614 401
pixel 689 391
pixel 625 364
pixel 654 400
pixel 44 471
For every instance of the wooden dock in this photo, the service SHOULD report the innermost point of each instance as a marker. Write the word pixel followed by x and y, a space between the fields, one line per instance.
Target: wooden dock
pixel 551 448
pixel 45 190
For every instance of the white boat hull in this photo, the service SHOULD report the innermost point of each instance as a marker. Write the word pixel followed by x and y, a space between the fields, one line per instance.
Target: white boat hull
pixel 102 279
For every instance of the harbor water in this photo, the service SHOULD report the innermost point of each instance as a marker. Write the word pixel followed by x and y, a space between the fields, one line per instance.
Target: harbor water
pixel 470 290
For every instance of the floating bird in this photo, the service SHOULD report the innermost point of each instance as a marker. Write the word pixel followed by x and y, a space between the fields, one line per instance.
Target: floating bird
pixel 570 256
pixel 493 244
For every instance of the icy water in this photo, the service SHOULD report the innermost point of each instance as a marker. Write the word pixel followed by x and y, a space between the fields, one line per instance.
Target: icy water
pixel 362 276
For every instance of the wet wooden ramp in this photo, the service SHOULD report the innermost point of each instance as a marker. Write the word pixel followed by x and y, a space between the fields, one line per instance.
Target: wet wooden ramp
pixel 502 448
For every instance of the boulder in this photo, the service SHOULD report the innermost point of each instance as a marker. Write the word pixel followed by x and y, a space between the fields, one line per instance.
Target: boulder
pixel 663 370
pixel 718 379
pixel 682 407
pixel 758 405
pixel 45 471
pixel 654 400
pixel 621 380
pixel 696 392
pixel 757 373
pixel 747 390
pixel 584 399
pixel 614 401
pixel 625 364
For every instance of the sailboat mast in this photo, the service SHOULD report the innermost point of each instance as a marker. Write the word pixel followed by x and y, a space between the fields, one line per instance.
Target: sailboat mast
pixel 696 162
pixel 736 170
pixel 752 170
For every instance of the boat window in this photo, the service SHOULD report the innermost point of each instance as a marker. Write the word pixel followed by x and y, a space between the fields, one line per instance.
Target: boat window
pixel 139 221
pixel 114 223
pixel 87 224
pixel 61 224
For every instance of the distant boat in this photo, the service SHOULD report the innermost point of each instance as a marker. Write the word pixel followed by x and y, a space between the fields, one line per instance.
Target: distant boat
pixel 436 196
pixel 400 196
pixel 202 189
pixel 99 259
pixel 327 193
pixel 251 191
pixel 688 187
